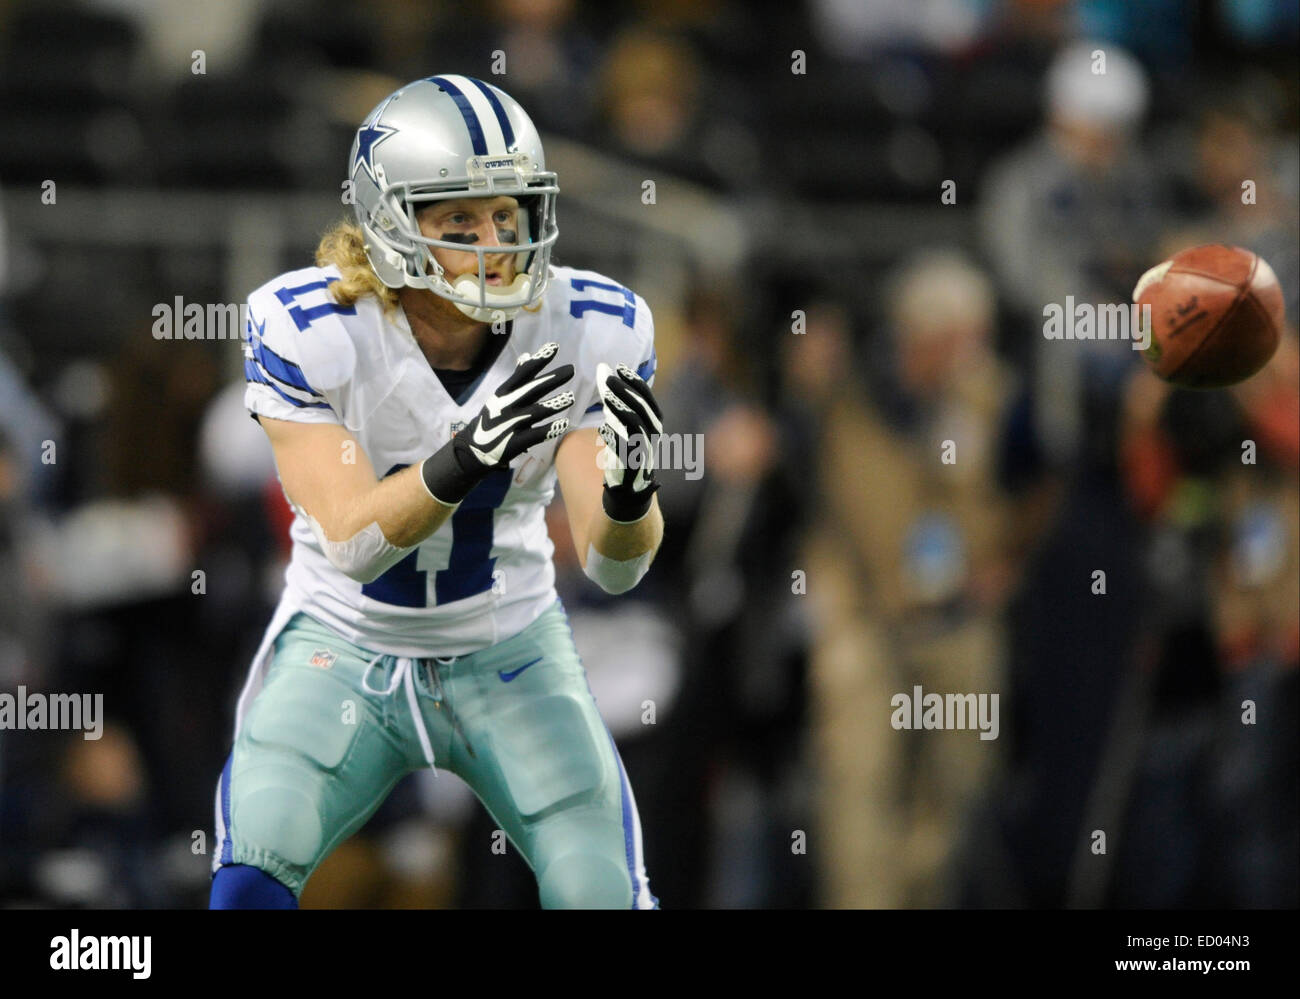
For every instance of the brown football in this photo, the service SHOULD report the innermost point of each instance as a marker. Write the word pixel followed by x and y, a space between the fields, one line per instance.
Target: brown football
pixel 1216 315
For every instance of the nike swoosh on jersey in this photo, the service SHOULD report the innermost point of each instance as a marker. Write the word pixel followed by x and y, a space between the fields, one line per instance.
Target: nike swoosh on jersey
pixel 506 677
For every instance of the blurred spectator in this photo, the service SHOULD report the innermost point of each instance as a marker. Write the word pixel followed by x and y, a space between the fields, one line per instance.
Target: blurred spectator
pixel 27 770
pixel 732 758
pixel 1074 216
pixel 911 569
pixel 25 423
pixel 848 29
pixel 120 576
pixel 650 106
pixel 1075 213
pixel 549 60
pixel 1245 182
pixel 988 97
pixel 1065 214
pixel 173 31
pixel 1216 477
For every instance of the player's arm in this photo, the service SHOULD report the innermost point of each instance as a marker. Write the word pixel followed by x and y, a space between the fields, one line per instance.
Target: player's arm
pixel 607 477
pixel 583 483
pixel 326 474
pixel 365 525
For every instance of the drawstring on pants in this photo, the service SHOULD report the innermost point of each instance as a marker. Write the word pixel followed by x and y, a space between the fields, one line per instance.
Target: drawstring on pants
pixel 404 676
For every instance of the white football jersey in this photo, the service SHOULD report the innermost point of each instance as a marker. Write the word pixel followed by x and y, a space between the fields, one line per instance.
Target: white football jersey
pixel 486 573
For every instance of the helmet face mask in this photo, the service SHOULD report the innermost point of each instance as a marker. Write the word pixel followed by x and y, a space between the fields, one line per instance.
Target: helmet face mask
pixel 446 138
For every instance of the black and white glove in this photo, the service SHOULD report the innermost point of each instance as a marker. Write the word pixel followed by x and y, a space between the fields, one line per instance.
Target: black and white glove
pixel 633 423
pixel 518 415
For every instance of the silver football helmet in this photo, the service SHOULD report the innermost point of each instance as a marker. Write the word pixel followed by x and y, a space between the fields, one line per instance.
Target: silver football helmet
pixel 452 137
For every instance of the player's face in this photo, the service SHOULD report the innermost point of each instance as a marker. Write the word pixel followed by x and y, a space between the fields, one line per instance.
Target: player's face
pixel 475 222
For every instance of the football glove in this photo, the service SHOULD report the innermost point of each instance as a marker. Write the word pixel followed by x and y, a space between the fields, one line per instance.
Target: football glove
pixel 633 423
pixel 520 414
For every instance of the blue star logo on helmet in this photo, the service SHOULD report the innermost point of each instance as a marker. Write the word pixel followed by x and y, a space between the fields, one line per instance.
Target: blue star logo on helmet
pixel 369 136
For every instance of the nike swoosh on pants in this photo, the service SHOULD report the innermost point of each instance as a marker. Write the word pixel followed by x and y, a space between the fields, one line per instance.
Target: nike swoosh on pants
pixel 508 676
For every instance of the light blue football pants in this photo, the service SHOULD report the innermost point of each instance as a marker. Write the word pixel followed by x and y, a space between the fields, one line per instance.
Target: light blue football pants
pixel 335 728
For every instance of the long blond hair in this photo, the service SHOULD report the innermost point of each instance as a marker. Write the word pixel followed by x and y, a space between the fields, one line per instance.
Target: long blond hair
pixel 344 246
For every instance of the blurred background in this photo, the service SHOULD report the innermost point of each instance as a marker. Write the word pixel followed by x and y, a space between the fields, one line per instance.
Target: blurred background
pixel 826 318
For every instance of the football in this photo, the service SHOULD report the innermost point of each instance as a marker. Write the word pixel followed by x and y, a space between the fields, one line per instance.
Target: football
pixel 1216 315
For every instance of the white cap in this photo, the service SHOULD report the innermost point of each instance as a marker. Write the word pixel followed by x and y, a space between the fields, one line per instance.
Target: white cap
pixel 1097 83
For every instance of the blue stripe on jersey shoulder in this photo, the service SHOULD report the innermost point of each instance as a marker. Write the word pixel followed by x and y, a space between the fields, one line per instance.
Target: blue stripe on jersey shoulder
pixel 253 373
pixel 595 409
pixel 466 111
pixel 272 363
pixel 286 371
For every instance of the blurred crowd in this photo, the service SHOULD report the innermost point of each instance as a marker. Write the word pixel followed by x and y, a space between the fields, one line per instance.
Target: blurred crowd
pixel 905 484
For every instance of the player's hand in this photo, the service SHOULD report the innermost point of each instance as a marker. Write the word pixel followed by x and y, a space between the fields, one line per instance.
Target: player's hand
pixel 633 423
pixel 521 413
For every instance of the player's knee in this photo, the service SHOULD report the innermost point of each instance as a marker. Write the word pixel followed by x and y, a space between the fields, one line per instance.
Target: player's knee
pixel 585 881
pixel 282 820
pixel 276 820
pixel 242 886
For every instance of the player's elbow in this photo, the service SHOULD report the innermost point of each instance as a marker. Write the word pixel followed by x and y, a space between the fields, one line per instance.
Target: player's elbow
pixel 616 576
pixel 364 557
pixel 360 568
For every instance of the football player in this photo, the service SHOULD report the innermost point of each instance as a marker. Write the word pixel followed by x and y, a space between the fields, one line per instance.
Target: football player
pixel 423 388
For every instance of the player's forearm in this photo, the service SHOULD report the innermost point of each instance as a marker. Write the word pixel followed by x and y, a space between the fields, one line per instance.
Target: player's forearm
pixel 626 541
pixel 372 531
pixel 624 533
pixel 360 522
pixel 618 553
pixel 402 507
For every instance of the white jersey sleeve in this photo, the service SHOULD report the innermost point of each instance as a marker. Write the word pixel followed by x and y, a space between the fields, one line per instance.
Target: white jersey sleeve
pixel 297 363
